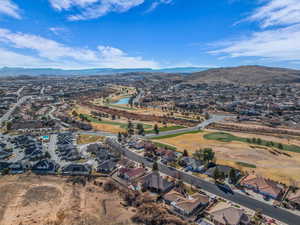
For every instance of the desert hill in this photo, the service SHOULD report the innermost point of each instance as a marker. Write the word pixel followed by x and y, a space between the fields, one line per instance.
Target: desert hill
pixel 245 75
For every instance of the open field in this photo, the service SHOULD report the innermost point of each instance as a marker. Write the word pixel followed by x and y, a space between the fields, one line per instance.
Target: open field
pixel 45 200
pixel 269 162
pixel 227 137
pixel 87 138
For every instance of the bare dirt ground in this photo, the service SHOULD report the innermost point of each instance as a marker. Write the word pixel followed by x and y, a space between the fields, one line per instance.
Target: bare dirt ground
pixel 48 200
pixel 278 167
pixel 87 139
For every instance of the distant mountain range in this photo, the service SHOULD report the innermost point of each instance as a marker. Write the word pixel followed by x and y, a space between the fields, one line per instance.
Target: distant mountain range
pixel 245 75
pixel 10 71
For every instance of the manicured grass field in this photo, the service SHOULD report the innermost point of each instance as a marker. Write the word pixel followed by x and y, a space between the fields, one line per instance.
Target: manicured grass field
pixel 226 137
pixel 114 123
pixel 175 135
pixel 163 129
pixel 246 165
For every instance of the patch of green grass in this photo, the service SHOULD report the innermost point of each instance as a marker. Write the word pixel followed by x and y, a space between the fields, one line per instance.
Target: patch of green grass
pixel 246 164
pixel 176 135
pixel 114 123
pixel 161 145
pixel 226 137
pixel 163 129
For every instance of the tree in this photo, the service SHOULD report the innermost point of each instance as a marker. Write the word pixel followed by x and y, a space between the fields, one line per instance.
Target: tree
pixel 119 137
pixel 155 166
pixel 8 125
pixel 198 154
pixel 156 129
pixel 208 155
pixel 207 116
pixel 140 129
pixel 130 128
pixel 232 176
pixel 216 174
pixel 222 176
pixel 280 146
pixel 47 155
pixel 185 153
pixel 259 141
pixel 130 125
pixel 81 116
pixel 74 113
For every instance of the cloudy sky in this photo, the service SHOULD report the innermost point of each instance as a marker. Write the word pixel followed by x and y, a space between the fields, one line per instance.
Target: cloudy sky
pixel 149 33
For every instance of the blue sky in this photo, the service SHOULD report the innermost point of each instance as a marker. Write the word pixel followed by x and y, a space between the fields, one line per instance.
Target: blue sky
pixel 149 33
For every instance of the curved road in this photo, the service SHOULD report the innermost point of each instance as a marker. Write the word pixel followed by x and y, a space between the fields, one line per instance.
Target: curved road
pixel 214 118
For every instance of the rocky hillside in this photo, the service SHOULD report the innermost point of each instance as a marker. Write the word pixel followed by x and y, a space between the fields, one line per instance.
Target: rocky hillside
pixel 246 75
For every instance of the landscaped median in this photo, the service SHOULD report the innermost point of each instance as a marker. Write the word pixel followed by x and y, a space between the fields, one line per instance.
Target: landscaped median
pixel 176 135
pixel 226 137
pixel 164 129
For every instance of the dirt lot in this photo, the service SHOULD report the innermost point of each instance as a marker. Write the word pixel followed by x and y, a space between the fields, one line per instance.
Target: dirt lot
pixel 47 200
pixel 86 139
pixel 275 166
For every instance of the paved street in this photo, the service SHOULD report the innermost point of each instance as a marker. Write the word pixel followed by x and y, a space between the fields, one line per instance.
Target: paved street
pixel 203 125
pixel 50 113
pixel 276 213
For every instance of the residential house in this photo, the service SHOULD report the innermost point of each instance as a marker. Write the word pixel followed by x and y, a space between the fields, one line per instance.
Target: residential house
pixel 77 169
pixel 5 154
pixel 156 183
pixel 107 166
pixel 186 205
pixel 45 167
pixel 222 169
pixel 131 174
pixel 192 164
pixel 293 197
pixel 4 166
pixel 229 216
pixel 16 168
pixel 267 188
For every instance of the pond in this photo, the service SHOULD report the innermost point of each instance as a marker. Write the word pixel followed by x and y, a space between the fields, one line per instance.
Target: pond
pixel 122 101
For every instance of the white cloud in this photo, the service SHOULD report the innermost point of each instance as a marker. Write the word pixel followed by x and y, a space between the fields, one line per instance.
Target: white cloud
pixel 54 53
pixel 279 38
pixel 156 3
pixel 57 30
pixel 92 9
pixel 12 59
pixel 9 8
pixel 277 12
pixel 279 44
